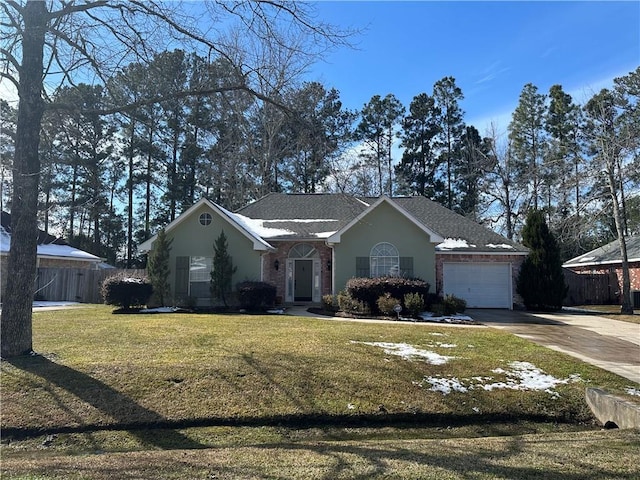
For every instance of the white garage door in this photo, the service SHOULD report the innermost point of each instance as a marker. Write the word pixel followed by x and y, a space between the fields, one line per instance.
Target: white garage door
pixel 482 285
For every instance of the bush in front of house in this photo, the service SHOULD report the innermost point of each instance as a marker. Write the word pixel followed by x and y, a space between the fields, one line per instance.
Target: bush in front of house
pixel 329 303
pixel 449 305
pixel 414 303
pixel 369 290
pixel 256 295
pixel 348 304
pixel 386 304
pixel 126 290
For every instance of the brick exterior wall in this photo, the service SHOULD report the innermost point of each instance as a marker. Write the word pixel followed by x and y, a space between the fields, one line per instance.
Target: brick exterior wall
pixel 278 277
pixel 515 260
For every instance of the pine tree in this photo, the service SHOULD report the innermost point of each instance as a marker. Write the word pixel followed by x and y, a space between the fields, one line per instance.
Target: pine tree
pixel 541 281
pixel 158 267
pixel 223 269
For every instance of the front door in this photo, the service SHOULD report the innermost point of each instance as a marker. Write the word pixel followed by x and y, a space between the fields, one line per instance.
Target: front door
pixel 303 281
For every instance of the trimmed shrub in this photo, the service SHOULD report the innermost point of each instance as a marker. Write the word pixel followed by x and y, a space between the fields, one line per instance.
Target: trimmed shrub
pixel 126 291
pixel 453 305
pixel 348 304
pixel 369 290
pixel 386 304
pixel 256 295
pixel 329 303
pixel 414 303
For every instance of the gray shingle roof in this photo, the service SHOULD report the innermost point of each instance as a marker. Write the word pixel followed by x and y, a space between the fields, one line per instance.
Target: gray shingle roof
pixel 608 254
pixel 313 215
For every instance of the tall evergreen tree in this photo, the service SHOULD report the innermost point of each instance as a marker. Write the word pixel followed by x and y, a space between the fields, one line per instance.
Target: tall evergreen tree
pixel 526 132
pixel 541 281
pixel 470 171
pixel 447 96
pixel 376 129
pixel 418 171
pixel 223 269
pixel 158 267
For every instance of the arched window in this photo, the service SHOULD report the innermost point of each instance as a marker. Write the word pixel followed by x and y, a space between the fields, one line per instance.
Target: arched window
pixel 384 260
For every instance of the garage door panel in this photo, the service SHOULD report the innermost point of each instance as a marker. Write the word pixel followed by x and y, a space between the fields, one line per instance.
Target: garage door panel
pixel 482 285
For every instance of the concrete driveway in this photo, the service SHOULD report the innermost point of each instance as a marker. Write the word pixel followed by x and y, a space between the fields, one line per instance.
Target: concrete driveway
pixel 609 344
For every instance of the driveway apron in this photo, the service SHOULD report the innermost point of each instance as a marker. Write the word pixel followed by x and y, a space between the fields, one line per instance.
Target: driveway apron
pixel 609 344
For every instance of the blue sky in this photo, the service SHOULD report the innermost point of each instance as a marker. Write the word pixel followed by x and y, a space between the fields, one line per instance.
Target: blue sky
pixel 491 48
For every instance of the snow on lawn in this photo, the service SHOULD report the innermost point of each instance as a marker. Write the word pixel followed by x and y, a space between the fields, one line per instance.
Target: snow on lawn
pixel 633 391
pixel 521 376
pixel 409 352
pixel 457 318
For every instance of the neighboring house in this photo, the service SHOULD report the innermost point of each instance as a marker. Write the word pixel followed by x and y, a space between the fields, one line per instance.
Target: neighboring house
pixel 52 252
pixel 310 245
pixel 608 260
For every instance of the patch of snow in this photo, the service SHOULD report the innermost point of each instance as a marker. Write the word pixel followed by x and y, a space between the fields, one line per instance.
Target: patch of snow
pixel 446 385
pixel 436 334
pixel 499 245
pixel 323 234
pixel 53 304
pixel 160 310
pixel 632 391
pixel 586 259
pixel 429 317
pixel 409 352
pixel 50 249
pixel 521 376
pixel 277 311
pixel 302 220
pixel 452 243
pixel 257 226
pixel 350 406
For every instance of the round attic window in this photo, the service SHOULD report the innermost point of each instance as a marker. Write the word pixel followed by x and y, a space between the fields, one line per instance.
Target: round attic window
pixel 205 219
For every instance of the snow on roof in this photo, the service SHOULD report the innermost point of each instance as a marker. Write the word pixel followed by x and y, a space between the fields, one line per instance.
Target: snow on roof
pixel 324 234
pixel 452 243
pixel 258 226
pixel 500 245
pixel 50 249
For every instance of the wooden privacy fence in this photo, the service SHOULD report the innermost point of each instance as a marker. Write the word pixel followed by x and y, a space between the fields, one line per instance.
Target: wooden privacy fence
pixel 590 288
pixel 74 284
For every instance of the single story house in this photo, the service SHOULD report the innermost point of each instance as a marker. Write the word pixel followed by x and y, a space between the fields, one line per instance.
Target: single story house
pixel 608 260
pixel 310 245
pixel 53 252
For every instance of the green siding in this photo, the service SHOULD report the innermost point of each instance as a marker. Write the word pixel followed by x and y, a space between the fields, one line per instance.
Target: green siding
pixel 192 239
pixel 384 224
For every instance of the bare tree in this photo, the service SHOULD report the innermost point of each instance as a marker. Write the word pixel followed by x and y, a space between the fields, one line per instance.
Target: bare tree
pixel 66 42
pixel 612 134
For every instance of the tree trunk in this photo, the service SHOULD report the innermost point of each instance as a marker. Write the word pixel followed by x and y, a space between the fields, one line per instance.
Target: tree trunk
pixel 626 306
pixel 21 273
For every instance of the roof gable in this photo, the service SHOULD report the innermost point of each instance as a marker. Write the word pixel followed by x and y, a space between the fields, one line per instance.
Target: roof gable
pixel 433 236
pixel 237 221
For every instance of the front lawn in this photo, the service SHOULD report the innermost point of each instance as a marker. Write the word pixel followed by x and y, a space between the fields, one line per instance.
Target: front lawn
pixel 141 383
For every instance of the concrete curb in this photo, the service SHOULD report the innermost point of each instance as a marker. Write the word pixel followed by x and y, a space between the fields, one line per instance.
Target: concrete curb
pixel 610 409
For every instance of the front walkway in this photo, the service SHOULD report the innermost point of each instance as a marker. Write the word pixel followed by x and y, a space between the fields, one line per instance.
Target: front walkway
pixel 609 344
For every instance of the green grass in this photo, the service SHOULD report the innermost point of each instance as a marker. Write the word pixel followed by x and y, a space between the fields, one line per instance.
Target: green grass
pixel 281 389
pixel 612 312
